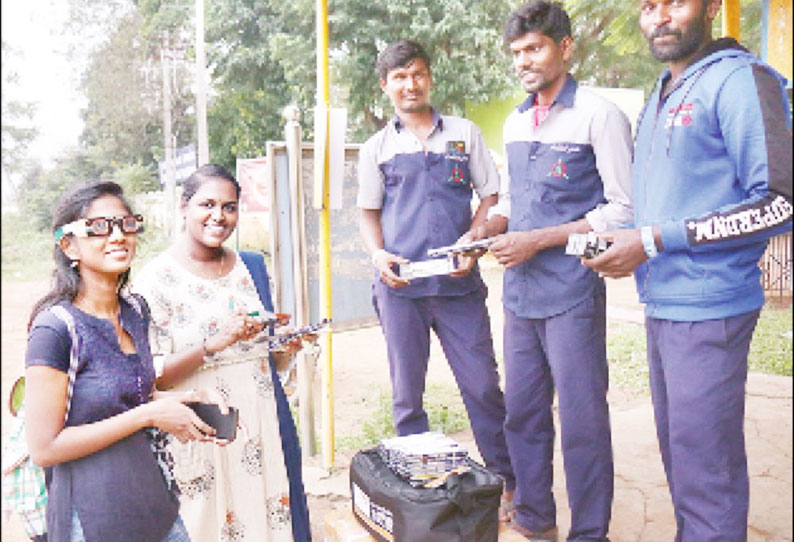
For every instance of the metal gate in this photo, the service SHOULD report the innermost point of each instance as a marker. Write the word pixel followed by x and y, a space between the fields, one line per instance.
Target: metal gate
pixel 776 267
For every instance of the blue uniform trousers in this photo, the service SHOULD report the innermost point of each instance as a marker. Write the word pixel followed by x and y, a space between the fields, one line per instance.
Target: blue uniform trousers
pixel 462 326
pixel 698 372
pixel 567 352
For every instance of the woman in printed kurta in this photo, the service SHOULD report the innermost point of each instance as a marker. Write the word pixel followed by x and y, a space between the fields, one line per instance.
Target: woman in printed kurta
pixel 202 297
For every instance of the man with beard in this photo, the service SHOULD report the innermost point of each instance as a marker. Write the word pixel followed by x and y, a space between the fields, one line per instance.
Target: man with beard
pixel 416 179
pixel 568 157
pixel 712 183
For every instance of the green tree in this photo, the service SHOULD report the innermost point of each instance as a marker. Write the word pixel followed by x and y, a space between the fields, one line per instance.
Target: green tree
pixel 42 187
pixel 124 88
pixel 123 119
pixel 250 83
pixel 611 50
pixel 263 57
pixel 18 131
pixel 136 178
pixel 462 37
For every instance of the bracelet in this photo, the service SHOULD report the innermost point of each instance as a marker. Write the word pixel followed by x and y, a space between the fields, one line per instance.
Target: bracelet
pixel 648 241
pixel 376 254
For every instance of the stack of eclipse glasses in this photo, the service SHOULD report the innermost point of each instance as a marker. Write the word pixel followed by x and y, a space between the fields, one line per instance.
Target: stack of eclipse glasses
pixel 423 456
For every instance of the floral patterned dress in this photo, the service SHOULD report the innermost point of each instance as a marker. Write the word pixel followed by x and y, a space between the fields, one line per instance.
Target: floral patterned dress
pixel 239 492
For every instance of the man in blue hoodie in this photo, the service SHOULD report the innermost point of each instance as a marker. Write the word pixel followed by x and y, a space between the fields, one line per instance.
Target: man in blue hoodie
pixel 711 184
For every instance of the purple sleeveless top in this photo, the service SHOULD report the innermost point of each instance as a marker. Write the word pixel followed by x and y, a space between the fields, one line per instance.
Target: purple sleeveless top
pixel 119 492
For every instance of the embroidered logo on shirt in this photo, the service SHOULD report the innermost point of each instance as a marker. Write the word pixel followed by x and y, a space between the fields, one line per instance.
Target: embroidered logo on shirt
pixel 457 175
pixel 566 148
pixel 457 159
pixel 456 147
pixel 679 116
pixel 559 170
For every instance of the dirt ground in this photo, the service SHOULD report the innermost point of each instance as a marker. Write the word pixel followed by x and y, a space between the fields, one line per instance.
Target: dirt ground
pixel 642 511
pixel 359 378
pixel 359 365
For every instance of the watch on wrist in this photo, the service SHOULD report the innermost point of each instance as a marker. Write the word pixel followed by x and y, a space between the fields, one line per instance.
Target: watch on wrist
pixel 648 241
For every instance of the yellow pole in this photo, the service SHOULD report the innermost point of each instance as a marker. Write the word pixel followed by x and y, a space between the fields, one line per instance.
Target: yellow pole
pixel 779 36
pixel 323 101
pixel 731 22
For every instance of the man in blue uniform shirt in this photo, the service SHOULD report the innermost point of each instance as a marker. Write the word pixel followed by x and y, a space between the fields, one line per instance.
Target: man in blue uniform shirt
pixel 416 179
pixel 568 156
pixel 712 182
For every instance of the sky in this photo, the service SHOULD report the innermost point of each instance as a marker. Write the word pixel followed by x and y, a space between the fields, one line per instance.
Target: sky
pixel 33 28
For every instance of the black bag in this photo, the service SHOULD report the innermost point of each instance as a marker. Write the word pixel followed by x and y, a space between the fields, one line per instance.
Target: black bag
pixel 462 509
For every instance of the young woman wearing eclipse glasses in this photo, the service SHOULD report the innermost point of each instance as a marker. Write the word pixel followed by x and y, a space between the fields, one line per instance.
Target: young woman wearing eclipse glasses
pixel 101 226
pixel 108 479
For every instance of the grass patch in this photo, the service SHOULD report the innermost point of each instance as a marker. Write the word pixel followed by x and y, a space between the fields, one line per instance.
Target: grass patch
pixel 445 412
pixel 771 348
pixel 628 365
pixel 26 252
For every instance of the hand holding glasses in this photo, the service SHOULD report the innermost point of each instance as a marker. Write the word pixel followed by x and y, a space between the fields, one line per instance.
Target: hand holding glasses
pixel 586 245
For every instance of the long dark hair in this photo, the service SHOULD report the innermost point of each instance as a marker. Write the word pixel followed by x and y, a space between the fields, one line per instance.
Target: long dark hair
pixel 72 206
